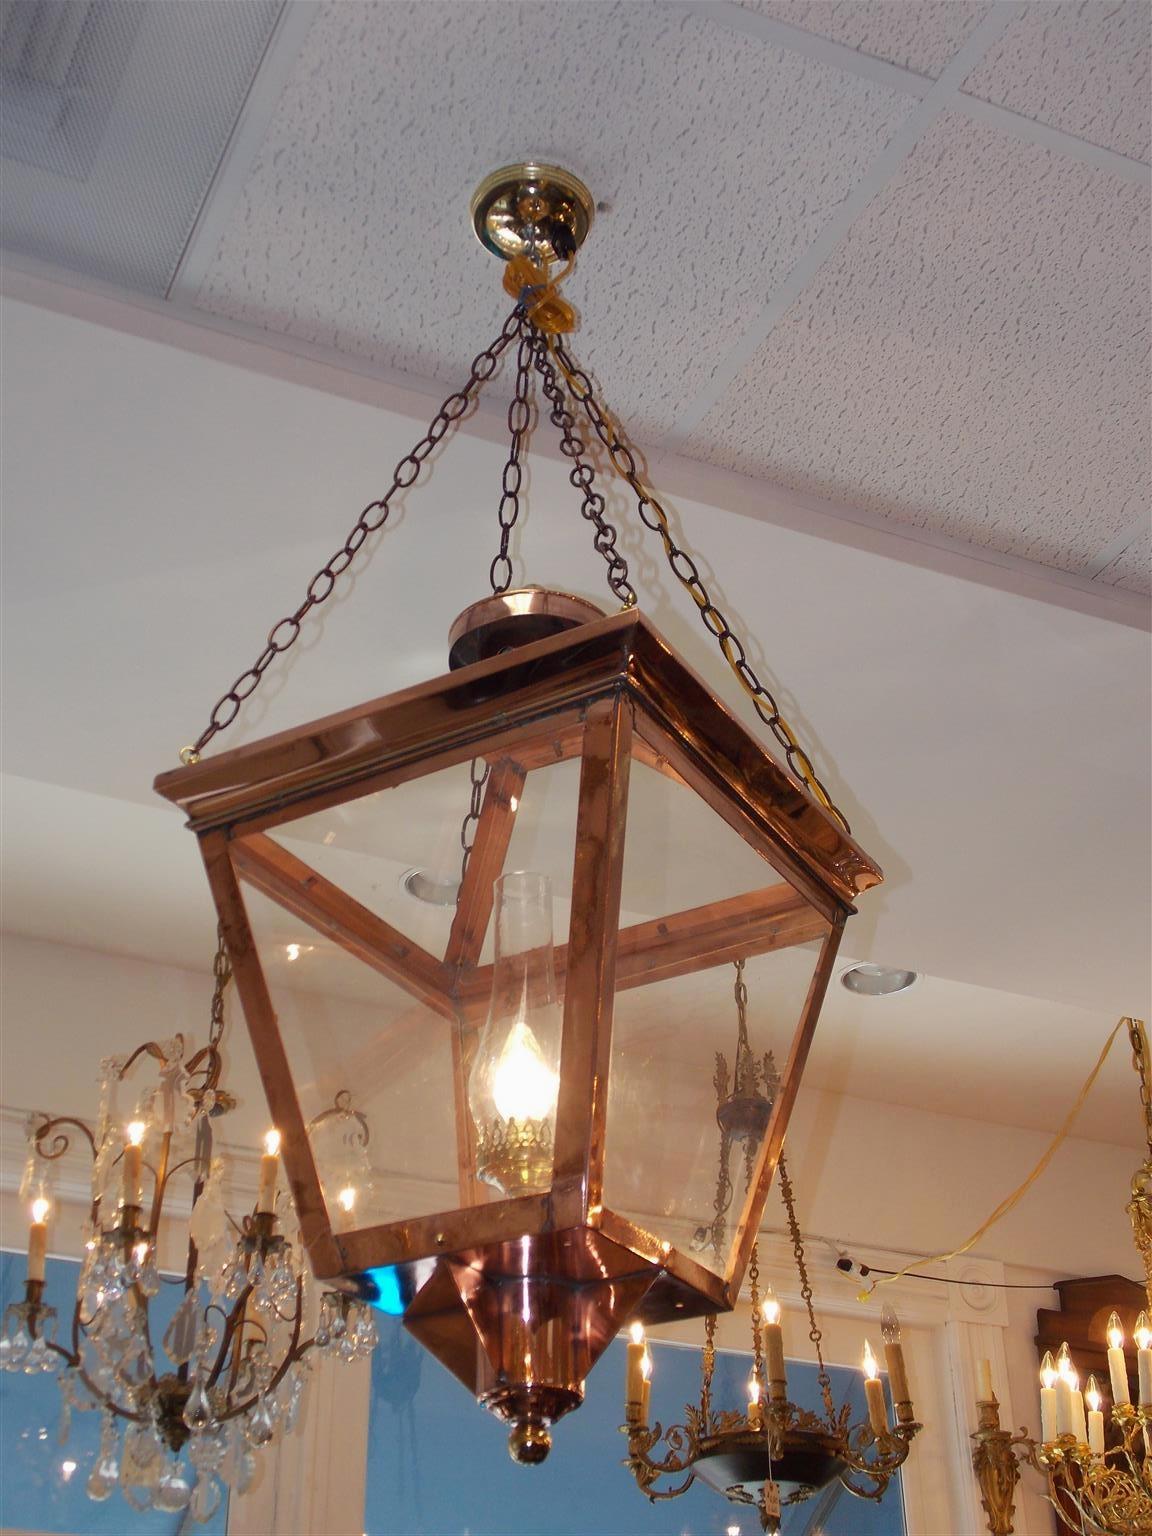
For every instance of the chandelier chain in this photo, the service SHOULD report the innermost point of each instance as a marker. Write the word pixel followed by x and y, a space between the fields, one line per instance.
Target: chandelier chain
pixel 741 993
pixel 519 422
pixel 284 635
pixel 814 1333
pixel 1138 1037
pixel 221 976
pixel 583 477
pixel 684 568
pixel 754 1296
pixel 708 1367
pixel 478 772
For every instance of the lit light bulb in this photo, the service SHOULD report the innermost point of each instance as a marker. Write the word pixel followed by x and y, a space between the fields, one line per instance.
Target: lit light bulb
pixel 871 1369
pixel 889 1325
pixel 346 1199
pixel 1143 1332
pixel 1115 1332
pixel 771 1307
pixel 1064 1362
pixel 636 1332
pixel 1049 1375
pixel 1092 1395
pixel 292 951
pixel 134 1131
pixel 753 1391
pixel 524 1086
pixel 40 1209
pixel 271 1143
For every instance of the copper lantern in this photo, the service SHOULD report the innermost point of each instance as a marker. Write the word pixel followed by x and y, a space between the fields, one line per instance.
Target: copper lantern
pixel 542 1132
pixel 545 1244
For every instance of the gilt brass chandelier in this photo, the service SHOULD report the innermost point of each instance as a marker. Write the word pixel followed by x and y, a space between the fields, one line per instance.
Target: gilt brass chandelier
pixel 523 1226
pixel 226 1376
pixel 770 1453
pixel 1097 1470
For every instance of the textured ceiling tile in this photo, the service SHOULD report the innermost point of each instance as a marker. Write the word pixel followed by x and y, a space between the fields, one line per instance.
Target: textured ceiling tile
pixel 1132 568
pixel 922 37
pixel 971 360
pixel 1082 67
pixel 721 158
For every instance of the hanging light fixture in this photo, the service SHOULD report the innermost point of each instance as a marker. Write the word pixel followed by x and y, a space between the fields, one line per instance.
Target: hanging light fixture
pixel 769 1453
pixel 546 1245
pixel 225 1377
pixel 1097 1468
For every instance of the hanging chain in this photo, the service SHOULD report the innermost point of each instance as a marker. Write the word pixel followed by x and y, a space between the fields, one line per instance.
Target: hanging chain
pixel 1138 1037
pixel 754 1293
pixel 741 993
pixel 478 771
pixel 707 1367
pixel 583 476
pixel 684 568
pixel 222 975
pixel 519 421
pixel 284 635
pixel 805 1287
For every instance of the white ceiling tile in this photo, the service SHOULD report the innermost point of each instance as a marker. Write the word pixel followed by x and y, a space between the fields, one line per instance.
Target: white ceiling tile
pixel 971 360
pixel 721 158
pixel 1081 67
pixel 1132 567
pixel 922 37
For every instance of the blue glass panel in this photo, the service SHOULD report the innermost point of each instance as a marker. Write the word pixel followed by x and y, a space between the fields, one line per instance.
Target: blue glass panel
pixel 43 1484
pixel 438 1464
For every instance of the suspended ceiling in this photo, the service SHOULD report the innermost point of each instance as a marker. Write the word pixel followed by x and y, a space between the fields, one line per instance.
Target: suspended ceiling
pixel 865 266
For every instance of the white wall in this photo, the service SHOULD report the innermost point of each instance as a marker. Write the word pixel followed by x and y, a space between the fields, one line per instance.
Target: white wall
pixel 878 1178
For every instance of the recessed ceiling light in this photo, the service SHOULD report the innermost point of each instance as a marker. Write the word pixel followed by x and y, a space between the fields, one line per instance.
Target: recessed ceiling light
pixel 426 887
pixel 878 980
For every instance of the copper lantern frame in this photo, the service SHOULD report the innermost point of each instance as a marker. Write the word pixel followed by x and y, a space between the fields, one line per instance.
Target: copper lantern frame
pixel 606 692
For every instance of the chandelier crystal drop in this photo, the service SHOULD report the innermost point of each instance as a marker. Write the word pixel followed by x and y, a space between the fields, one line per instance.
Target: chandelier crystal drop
pixel 182 1411
pixel 525 1219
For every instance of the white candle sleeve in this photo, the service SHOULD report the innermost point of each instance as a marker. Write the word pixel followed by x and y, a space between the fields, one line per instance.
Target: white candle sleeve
pixel 1118 1374
pixel 1047 1414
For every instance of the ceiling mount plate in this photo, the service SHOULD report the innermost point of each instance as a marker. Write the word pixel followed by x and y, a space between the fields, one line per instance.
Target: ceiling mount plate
pixel 529 206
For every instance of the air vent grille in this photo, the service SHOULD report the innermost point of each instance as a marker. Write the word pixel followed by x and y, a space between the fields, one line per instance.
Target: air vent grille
pixel 114 115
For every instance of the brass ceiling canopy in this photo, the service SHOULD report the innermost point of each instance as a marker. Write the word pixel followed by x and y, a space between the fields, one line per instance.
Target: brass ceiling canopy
pixel 527 209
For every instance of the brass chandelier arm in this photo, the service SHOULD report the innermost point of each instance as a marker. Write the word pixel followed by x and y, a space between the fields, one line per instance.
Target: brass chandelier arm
pixel 684 568
pixel 284 634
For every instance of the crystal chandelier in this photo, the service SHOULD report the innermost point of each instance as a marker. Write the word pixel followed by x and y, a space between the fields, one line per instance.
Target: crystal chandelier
pixel 1097 1469
pixel 230 1374
pixel 770 1453
pixel 549 1244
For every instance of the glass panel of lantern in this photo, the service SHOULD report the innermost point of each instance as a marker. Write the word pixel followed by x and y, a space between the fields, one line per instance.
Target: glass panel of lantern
pixel 689 1104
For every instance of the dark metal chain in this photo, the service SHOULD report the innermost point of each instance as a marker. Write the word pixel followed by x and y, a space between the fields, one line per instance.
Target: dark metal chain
pixel 478 771
pixel 222 975
pixel 741 993
pixel 1139 1042
pixel 583 476
pixel 684 568
pixel 519 421
pixel 805 1287
pixel 284 635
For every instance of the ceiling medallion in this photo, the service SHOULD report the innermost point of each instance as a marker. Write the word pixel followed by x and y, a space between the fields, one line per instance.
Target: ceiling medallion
pixel 531 1240
pixel 1098 1471
pixel 225 1376
pixel 771 1453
